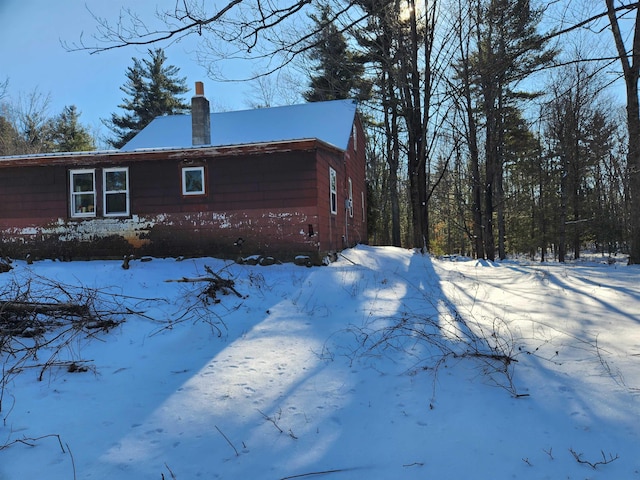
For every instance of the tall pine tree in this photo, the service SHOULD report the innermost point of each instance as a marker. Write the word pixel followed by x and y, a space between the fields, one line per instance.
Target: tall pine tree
pixel 508 49
pixel 339 70
pixel 153 89
pixel 68 135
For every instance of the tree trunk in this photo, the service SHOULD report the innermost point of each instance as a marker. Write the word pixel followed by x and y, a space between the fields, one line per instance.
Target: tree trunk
pixel 542 216
pixel 499 192
pixel 393 161
pixel 562 223
pixel 395 208
pixel 476 197
pixel 474 153
pixel 630 68
pixel 633 168
pixel 390 105
pixel 490 175
pixel 414 106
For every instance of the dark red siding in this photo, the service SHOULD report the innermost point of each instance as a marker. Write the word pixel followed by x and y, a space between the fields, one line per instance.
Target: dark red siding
pixel 33 193
pixel 341 230
pixel 273 197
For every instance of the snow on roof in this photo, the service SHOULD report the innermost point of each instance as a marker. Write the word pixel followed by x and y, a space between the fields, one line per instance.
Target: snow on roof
pixel 88 153
pixel 330 122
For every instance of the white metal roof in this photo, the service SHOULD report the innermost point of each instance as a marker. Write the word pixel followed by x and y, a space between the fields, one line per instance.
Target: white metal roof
pixel 330 122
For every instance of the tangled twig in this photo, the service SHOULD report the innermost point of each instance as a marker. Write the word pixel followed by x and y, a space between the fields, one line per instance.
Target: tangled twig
pixel 197 303
pixel 605 460
pixel 31 441
pixel 45 318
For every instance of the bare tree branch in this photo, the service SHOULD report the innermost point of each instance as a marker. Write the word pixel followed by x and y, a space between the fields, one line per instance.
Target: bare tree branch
pixel 583 23
pixel 113 36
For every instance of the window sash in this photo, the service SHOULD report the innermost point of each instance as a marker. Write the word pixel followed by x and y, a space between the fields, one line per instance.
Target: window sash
pixel 333 188
pixel 350 205
pixel 355 138
pixel 82 184
pixel 116 191
pixel 193 182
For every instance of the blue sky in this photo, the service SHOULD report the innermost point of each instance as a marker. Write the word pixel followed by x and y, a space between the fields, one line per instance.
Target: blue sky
pixel 32 57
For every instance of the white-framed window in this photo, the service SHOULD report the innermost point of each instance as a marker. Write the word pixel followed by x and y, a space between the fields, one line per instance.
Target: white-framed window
pixel 355 138
pixel 333 189
pixel 83 193
pixel 193 181
pixel 350 199
pixel 116 191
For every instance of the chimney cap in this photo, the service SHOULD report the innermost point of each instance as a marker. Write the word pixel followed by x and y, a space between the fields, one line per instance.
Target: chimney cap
pixel 199 89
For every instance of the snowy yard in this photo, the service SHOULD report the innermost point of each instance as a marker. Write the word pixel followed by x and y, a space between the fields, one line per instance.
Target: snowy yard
pixel 384 365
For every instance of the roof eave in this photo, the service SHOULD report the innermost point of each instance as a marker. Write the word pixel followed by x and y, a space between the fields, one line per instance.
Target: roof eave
pixel 112 156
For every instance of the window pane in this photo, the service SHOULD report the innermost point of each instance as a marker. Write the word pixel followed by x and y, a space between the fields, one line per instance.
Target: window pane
pixel 116 192
pixel 116 180
pixel 350 198
pixel 83 203
pixel 83 195
pixel 83 182
pixel 333 186
pixel 193 181
pixel 116 203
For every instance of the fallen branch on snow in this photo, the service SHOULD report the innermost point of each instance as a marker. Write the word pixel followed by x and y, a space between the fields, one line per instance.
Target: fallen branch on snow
pixel 594 465
pixel 228 441
pixel 312 474
pixel 216 284
pixel 40 318
pixel 31 441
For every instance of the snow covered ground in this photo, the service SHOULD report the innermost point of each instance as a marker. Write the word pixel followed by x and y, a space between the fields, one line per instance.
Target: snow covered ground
pixel 384 365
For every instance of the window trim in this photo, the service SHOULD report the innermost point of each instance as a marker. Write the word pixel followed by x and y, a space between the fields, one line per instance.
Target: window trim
pixel 355 138
pixel 350 199
pixel 202 192
pixel 333 191
pixel 73 194
pixel 106 192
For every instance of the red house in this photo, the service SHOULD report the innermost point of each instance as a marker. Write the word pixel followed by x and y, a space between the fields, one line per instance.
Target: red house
pixel 285 182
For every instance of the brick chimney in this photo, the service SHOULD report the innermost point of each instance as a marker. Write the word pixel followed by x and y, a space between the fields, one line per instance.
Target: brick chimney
pixel 200 118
